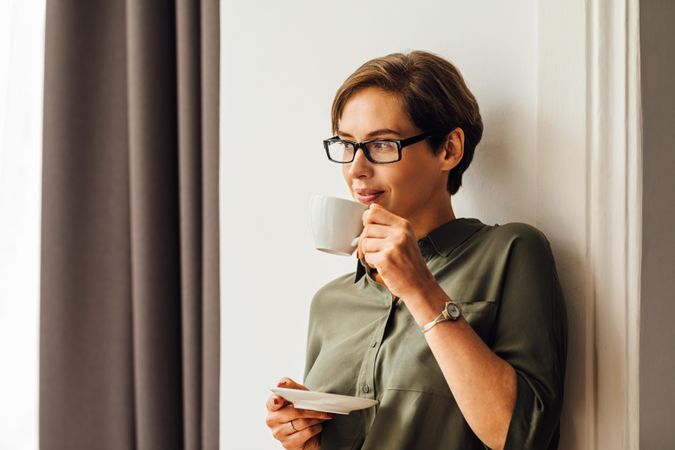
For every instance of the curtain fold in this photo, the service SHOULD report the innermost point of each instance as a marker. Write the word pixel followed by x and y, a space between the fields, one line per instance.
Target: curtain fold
pixel 129 320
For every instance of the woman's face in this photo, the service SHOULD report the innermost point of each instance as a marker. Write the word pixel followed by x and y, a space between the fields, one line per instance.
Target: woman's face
pixel 411 187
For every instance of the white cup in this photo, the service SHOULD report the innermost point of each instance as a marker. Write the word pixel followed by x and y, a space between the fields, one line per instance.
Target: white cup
pixel 336 224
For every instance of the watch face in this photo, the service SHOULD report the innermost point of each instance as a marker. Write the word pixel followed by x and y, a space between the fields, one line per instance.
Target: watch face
pixel 453 311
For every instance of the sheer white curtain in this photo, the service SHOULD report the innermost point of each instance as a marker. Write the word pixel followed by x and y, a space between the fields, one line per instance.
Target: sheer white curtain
pixel 21 75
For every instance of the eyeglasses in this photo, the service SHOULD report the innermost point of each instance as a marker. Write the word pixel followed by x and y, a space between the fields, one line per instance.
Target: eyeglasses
pixel 377 151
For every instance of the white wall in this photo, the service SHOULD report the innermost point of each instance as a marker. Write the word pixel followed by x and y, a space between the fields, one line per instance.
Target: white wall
pixel 21 73
pixel 281 65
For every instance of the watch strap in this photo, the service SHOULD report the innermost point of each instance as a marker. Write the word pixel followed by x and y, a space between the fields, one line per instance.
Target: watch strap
pixel 442 317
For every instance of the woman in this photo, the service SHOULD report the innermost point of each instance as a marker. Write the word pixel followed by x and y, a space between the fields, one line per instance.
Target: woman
pixel 487 373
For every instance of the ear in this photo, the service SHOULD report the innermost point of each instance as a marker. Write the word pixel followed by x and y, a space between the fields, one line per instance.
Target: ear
pixel 452 149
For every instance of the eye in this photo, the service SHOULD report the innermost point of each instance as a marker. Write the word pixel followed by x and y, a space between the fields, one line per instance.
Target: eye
pixel 382 146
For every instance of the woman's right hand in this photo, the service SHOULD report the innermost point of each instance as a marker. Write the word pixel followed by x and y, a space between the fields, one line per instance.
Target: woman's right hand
pixel 296 429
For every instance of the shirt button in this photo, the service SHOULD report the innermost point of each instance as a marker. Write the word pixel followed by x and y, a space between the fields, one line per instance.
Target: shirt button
pixel 365 388
pixel 374 344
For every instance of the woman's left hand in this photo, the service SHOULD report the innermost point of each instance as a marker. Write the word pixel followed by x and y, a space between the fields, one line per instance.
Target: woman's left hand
pixel 388 244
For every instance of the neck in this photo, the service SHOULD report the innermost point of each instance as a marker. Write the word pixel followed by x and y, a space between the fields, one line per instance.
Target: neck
pixel 439 212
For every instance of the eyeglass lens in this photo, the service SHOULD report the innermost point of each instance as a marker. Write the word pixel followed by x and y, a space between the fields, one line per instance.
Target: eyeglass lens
pixel 380 151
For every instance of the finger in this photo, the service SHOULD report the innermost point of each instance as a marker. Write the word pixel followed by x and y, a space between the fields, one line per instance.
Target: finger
pixel 289 412
pixel 275 402
pixel 380 215
pixel 288 383
pixel 301 424
pixel 374 259
pixel 370 245
pixel 375 230
pixel 276 419
pixel 359 251
pixel 298 439
pixel 312 414
pixel 284 429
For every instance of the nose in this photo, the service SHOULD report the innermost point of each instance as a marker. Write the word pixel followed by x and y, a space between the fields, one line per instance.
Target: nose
pixel 360 167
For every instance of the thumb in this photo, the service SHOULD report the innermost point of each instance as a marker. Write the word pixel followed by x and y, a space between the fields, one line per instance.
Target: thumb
pixel 288 383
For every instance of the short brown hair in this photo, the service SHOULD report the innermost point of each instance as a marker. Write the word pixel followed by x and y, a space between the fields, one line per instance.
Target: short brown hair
pixel 433 93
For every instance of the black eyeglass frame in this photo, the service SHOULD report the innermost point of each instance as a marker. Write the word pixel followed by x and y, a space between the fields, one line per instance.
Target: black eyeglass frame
pixel 400 143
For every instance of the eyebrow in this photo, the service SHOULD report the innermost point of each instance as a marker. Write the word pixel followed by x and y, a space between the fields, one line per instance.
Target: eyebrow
pixel 372 133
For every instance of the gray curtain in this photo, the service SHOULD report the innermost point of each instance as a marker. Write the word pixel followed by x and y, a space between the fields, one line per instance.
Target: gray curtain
pixel 129 311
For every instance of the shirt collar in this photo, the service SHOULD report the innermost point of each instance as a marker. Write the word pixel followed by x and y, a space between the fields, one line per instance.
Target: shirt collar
pixel 443 239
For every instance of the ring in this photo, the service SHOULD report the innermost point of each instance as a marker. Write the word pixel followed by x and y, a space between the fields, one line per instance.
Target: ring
pixel 291 424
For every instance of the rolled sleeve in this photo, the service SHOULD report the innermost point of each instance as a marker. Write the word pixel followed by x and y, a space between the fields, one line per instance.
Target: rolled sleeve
pixel 531 334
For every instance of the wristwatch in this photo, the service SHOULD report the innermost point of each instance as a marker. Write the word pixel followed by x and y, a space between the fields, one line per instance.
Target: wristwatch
pixel 451 311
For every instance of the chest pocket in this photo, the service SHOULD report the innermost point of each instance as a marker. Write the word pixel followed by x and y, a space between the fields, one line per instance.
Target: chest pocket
pixel 481 315
pixel 477 299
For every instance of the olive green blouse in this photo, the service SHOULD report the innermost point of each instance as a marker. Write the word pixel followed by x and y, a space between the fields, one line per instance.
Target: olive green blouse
pixel 362 343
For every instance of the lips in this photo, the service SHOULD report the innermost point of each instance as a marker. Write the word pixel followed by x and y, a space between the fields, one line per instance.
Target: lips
pixel 367 196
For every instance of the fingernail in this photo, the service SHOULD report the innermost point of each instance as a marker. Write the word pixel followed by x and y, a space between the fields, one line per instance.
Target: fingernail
pixel 281 383
pixel 276 401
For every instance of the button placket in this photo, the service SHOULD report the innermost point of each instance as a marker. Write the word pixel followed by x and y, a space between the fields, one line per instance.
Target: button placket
pixel 368 385
pixel 364 386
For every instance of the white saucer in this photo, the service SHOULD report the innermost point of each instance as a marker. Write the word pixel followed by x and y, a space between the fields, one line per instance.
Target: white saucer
pixel 323 401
